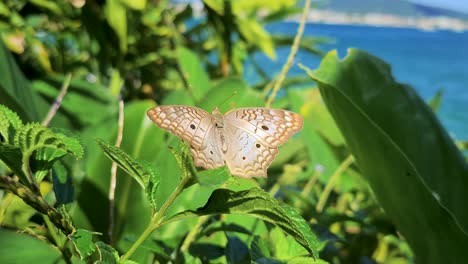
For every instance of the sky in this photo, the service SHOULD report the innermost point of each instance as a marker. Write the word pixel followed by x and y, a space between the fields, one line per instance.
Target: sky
pixel 458 5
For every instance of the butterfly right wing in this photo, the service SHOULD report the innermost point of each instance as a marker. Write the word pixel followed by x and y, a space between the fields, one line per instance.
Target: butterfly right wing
pixel 195 126
pixel 190 124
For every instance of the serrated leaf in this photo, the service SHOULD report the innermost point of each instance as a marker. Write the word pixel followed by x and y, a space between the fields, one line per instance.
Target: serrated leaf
pixel 107 254
pixel 83 242
pixel 12 156
pixel 257 203
pixel 138 171
pixel 185 163
pixel 152 188
pixel 9 124
pixel 47 146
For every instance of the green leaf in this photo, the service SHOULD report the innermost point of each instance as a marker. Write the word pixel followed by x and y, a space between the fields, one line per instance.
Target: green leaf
pixel 143 141
pixel 236 251
pixel 192 68
pixel 135 4
pixel 83 242
pixel 9 124
pixel 107 254
pixel 63 183
pixel 116 15
pixel 435 101
pixel 12 156
pixel 35 249
pixel 134 168
pixel 256 35
pixel 412 165
pixel 72 115
pixel 47 146
pixel 141 171
pixel 152 187
pixel 257 203
pixel 213 177
pixel 231 92
pixel 15 90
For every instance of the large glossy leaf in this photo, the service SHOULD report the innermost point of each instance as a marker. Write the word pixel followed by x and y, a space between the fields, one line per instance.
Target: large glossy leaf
pixel 414 168
pixel 34 249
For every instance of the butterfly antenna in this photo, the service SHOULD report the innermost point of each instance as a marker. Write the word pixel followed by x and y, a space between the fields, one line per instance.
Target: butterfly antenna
pixel 225 100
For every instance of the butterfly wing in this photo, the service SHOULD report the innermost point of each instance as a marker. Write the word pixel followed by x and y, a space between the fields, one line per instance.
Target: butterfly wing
pixel 211 156
pixel 247 156
pixel 190 124
pixel 253 136
pixel 193 125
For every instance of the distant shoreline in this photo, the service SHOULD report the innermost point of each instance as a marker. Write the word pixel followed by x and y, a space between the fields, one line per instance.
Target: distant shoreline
pixel 330 17
pixel 386 20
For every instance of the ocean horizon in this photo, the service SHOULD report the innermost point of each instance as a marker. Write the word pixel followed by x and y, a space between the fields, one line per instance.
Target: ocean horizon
pixel 428 61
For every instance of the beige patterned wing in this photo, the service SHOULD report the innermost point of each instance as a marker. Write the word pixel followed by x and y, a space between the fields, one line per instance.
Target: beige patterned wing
pixel 247 156
pixel 191 124
pixel 272 127
pixel 211 156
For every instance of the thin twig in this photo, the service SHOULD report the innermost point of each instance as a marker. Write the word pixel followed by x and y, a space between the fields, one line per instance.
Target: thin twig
pixel 332 181
pixel 113 181
pixel 58 101
pixel 292 54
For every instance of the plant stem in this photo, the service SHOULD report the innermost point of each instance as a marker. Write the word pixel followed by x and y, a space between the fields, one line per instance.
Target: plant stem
pixel 292 54
pixel 157 219
pixel 193 233
pixel 331 182
pixel 113 180
pixel 310 183
pixel 58 101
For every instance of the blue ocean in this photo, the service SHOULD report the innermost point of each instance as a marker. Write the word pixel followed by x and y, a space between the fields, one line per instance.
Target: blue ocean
pixel 426 60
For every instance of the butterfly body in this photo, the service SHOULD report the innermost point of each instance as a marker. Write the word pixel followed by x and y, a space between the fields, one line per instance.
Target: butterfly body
pixel 244 139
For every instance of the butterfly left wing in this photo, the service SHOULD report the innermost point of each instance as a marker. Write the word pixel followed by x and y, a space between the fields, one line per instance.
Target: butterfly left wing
pixel 195 126
pixel 191 124
pixel 253 136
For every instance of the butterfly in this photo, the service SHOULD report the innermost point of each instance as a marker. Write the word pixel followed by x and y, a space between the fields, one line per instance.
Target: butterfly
pixel 244 139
